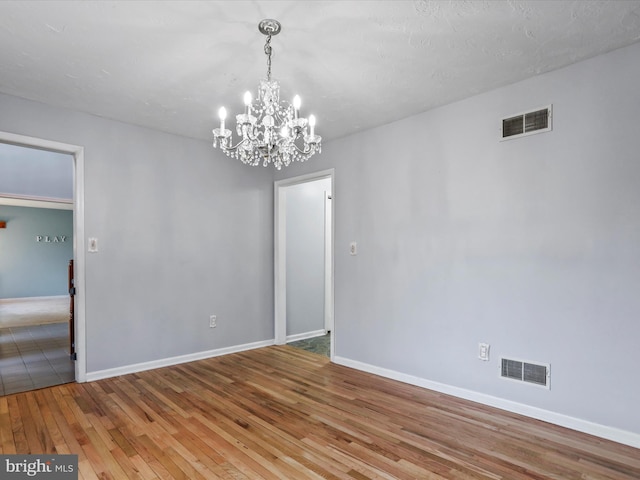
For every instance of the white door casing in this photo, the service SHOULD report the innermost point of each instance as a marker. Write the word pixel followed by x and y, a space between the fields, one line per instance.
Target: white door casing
pixel 280 280
pixel 78 234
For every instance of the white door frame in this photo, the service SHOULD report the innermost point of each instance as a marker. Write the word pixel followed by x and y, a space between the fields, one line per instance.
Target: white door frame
pixel 78 234
pixel 328 260
pixel 280 248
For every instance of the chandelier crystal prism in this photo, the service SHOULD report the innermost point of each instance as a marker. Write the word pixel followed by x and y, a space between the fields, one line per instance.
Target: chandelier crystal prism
pixel 271 131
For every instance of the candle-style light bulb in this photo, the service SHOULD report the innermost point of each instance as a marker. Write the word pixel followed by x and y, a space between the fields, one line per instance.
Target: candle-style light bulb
pixel 296 105
pixel 312 124
pixel 247 101
pixel 222 113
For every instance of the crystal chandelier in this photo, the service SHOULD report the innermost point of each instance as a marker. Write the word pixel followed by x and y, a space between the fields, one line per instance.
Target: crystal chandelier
pixel 271 131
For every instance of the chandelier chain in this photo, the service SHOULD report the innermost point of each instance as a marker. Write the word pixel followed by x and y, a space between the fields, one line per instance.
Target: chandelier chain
pixel 267 51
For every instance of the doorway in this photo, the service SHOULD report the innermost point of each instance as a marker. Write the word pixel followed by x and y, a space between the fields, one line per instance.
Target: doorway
pixel 77 153
pixel 303 239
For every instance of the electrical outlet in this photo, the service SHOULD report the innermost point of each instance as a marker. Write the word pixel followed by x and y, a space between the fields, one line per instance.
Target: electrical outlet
pixel 213 321
pixel 353 248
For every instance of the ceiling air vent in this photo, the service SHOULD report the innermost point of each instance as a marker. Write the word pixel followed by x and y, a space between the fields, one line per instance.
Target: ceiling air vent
pixel 527 123
pixel 535 373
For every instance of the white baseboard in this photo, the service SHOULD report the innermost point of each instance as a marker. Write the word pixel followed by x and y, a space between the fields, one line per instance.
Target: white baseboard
pixel 304 336
pixel 610 433
pixel 167 362
pixel 33 299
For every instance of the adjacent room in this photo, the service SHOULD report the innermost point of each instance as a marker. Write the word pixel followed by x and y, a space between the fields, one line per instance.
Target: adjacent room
pixel 324 239
pixel 36 245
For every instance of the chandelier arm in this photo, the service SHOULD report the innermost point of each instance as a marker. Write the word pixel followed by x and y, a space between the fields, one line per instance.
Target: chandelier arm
pixel 251 132
pixel 233 148
pixel 307 148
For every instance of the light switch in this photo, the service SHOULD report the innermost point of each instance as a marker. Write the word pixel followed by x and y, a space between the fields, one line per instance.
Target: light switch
pixel 93 244
pixel 483 351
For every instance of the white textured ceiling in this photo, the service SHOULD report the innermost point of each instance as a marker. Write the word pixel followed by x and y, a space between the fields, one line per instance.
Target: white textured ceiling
pixel 169 65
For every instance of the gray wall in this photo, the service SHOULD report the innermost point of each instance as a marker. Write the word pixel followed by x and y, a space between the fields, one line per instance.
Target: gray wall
pixel 31 268
pixel 305 256
pixel 184 232
pixel 531 245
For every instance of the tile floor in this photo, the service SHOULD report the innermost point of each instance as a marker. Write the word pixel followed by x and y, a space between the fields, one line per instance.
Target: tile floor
pixel 320 345
pixel 34 357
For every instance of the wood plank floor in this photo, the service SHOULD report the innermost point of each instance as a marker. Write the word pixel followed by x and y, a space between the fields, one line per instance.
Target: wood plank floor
pixel 282 413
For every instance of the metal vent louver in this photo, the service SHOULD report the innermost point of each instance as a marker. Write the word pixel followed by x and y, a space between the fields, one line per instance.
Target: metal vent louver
pixel 537 374
pixel 527 123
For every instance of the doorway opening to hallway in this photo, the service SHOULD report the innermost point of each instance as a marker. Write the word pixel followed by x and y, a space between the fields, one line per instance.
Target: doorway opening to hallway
pixel 304 262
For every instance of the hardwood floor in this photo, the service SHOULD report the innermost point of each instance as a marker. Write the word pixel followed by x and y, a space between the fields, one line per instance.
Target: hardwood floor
pixel 283 413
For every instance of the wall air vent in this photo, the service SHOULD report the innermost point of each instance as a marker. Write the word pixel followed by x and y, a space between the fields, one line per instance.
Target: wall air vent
pixel 534 373
pixel 528 123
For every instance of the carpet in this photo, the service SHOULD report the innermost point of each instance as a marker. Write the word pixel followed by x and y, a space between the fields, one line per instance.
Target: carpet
pixel 33 311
